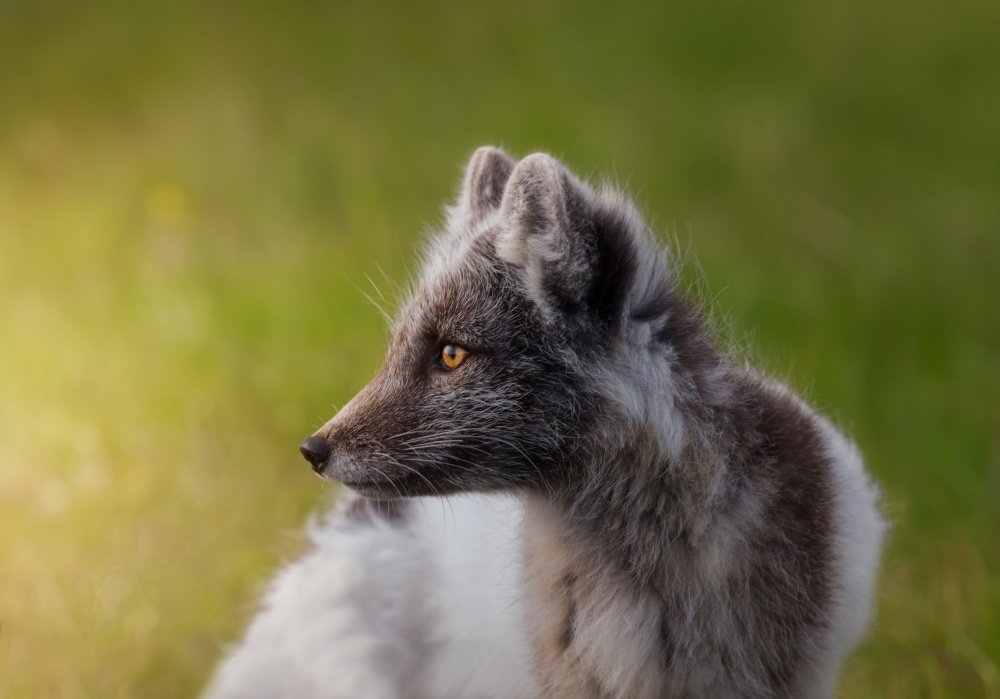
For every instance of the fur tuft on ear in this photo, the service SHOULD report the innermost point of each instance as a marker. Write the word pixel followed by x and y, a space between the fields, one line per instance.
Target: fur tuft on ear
pixel 547 231
pixel 486 175
pixel 579 252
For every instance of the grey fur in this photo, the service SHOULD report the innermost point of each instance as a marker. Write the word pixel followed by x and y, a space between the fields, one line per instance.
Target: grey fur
pixel 691 529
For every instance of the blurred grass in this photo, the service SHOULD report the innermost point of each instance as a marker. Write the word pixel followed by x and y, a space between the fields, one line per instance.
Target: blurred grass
pixel 192 196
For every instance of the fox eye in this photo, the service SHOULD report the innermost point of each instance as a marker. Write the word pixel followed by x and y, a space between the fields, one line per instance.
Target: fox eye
pixel 453 355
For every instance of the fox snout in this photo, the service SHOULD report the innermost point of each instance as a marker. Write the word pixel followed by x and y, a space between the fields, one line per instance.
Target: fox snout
pixel 348 449
pixel 332 461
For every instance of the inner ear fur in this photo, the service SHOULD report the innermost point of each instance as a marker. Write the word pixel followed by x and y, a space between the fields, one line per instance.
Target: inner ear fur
pixel 548 231
pixel 486 178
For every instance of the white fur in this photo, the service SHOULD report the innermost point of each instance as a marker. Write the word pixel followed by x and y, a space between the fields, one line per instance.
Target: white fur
pixel 428 610
pixel 860 532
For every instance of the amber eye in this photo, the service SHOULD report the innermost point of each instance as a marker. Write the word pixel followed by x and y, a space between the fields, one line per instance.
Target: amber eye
pixel 453 355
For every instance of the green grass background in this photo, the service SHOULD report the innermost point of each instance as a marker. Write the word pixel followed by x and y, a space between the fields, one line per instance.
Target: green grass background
pixel 193 196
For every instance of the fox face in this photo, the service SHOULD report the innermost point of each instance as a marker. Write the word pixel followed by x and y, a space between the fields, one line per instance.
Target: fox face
pixel 490 420
pixel 498 371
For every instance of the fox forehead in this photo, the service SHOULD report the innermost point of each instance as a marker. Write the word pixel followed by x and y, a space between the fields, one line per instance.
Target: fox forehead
pixel 465 293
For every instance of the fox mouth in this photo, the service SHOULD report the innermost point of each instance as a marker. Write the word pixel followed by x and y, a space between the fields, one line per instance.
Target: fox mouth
pixel 388 489
pixel 411 484
pixel 370 481
pixel 373 478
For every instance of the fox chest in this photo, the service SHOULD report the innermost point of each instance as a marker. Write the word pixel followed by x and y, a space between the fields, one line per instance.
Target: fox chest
pixel 593 638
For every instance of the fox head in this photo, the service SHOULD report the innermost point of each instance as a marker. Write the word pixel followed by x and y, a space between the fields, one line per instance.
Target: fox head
pixel 543 321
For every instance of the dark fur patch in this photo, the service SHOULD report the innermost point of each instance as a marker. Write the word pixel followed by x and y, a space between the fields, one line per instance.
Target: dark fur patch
pixel 569 629
pixel 615 263
pixel 363 510
pixel 667 644
pixel 787 581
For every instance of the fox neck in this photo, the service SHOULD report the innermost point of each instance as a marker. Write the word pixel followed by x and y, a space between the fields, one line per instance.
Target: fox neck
pixel 638 503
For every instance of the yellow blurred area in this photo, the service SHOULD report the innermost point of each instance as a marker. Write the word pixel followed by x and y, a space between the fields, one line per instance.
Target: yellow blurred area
pixel 167 204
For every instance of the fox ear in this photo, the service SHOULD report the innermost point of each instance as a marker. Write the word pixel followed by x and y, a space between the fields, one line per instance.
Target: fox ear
pixel 486 175
pixel 548 232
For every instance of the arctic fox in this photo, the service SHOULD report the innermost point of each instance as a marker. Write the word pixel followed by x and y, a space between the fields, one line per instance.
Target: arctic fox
pixel 564 489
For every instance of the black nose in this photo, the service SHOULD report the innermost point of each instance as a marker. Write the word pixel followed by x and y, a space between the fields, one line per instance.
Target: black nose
pixel 316 451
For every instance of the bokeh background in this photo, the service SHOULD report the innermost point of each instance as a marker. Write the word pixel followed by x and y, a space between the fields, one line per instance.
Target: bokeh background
pixel 196 198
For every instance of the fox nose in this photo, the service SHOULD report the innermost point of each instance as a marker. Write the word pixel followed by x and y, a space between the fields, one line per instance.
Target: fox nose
pixel 316 451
